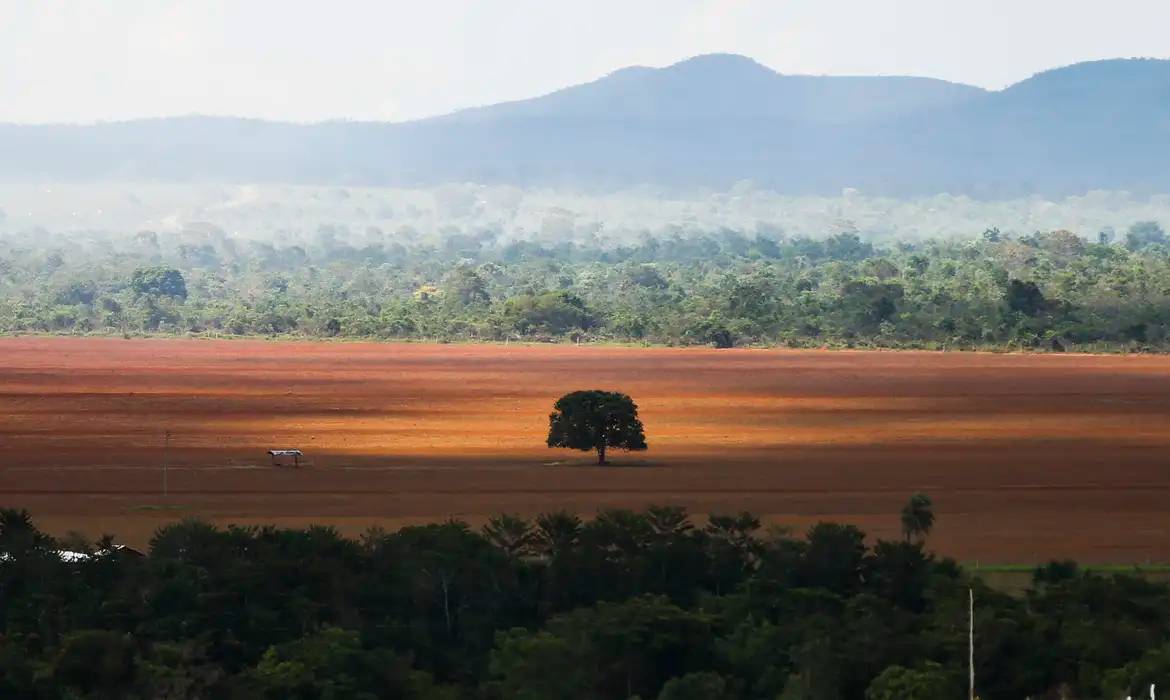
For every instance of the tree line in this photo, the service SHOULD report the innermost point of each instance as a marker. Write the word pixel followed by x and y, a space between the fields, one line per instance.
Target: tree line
pixel 1050 290
pixel 628 604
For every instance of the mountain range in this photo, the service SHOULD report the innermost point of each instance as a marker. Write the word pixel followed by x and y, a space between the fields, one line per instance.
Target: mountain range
pixel 706 122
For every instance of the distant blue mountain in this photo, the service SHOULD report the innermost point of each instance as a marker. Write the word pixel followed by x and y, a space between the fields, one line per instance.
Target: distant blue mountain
pixel 730 87
pixel 705 122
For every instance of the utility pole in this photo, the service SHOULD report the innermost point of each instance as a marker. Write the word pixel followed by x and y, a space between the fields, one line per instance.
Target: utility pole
pixel 166 460
pixel 971 643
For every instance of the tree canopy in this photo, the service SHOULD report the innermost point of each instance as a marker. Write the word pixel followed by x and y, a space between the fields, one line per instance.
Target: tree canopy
pixel 159 281
pixel 1043 291
pixel 617 604
pixel 917 517
pixel 596 420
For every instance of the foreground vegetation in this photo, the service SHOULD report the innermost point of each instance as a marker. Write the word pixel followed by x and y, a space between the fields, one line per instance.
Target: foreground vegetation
pixel 1052 290
pixel 647 605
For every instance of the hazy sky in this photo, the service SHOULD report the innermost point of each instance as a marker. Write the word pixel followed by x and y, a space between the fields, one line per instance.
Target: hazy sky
pixel 390 59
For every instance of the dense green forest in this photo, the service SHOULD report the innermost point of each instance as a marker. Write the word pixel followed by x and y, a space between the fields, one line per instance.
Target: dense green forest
pixel 1049 290
pixel 624 605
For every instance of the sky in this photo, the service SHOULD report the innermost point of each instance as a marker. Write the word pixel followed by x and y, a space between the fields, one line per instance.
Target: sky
pixel 95 60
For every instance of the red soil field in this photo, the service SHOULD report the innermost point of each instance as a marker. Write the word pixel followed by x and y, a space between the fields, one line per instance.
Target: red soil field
pixel 1028 457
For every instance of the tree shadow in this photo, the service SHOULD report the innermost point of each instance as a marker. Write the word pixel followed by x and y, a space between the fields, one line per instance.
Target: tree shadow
pixel 619 463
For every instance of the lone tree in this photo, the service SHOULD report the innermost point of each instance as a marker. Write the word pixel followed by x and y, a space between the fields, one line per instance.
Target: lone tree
pixel 917 517
pixel 595 420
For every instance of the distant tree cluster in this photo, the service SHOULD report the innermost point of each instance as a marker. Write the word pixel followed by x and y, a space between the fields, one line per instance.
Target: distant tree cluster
pixel 627 604
pixel 1046 291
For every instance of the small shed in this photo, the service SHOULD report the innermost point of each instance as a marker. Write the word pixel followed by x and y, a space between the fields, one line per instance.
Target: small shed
pixel 280 458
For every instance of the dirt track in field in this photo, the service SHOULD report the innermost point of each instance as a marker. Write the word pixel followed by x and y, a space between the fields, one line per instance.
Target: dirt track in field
pixel 1027 457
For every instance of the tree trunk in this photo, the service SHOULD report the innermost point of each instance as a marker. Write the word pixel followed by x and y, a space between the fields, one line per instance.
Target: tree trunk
pixel 603 442
pixel 446 603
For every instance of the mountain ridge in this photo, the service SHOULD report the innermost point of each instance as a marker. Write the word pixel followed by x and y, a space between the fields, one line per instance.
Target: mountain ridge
pixel 707 121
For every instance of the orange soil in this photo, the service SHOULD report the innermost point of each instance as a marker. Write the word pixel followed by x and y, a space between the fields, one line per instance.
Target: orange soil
pixel 1028 457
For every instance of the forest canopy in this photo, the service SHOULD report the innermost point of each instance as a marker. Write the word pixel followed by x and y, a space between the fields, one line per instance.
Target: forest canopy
pixel 625 604
pixel 1048 290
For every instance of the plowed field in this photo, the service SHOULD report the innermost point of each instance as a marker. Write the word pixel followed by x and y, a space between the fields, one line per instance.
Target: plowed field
pixel 1028 457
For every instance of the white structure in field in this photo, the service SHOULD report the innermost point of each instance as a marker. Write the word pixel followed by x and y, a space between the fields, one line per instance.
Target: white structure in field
pixel 280 457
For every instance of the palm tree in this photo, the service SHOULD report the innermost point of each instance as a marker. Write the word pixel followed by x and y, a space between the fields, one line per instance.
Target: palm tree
pixel 668 521
pixel 557 533
pixel 917 517
pixel 511 534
